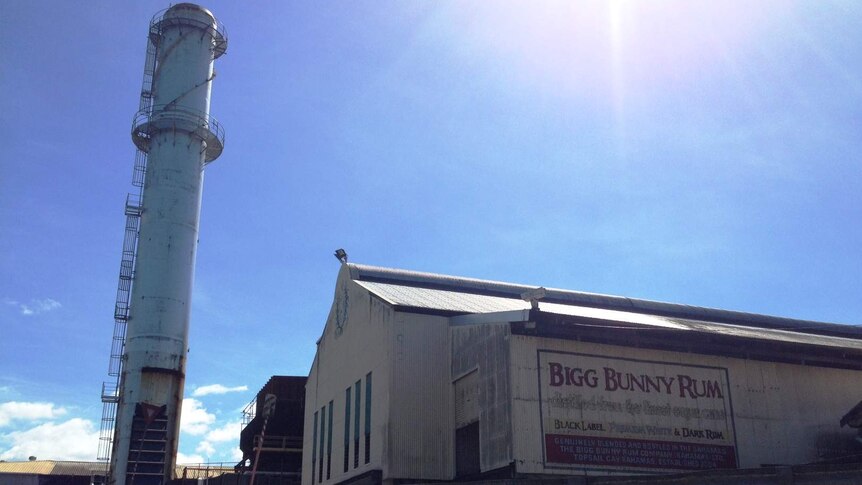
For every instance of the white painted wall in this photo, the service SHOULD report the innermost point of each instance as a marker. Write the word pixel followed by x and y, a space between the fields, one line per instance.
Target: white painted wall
pixel 356 340
pixel 408 355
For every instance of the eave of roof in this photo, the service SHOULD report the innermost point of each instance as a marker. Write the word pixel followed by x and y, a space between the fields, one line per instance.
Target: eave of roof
pixel 696 337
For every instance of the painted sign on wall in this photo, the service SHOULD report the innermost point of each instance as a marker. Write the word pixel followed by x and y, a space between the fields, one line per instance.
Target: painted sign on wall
pixel 605 412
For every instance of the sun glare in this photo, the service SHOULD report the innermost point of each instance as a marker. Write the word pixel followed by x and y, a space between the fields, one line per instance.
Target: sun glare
pixel 613 50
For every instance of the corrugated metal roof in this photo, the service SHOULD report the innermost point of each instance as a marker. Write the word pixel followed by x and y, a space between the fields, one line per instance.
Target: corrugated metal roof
pixel 90 468
pixel 640 320
pixel 442 300
pixel 449 294
pixel 50 467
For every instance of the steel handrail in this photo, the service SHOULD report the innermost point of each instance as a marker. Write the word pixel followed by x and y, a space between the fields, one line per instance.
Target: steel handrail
pixel 147 122
pixel 216 29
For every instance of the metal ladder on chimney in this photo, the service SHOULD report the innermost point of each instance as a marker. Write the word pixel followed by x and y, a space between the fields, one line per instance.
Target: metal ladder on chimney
pixel 134 208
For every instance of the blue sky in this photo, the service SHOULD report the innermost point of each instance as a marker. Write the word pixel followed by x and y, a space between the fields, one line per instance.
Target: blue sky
pixel 706 153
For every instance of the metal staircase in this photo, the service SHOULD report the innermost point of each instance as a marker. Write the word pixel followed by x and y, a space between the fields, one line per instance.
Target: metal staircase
pixel 134 208
pixel 148 446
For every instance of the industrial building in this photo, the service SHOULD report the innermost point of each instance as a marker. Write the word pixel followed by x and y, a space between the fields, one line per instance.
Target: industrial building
pixel 424 377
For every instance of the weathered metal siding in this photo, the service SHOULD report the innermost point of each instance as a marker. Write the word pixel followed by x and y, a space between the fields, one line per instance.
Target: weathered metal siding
pixel 420 411
pixel 486 349
pixel 466 397
pixel 782 413
pixel 356 340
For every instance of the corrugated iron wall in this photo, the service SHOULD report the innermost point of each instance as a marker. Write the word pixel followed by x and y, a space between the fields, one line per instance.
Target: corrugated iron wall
pixel 420 413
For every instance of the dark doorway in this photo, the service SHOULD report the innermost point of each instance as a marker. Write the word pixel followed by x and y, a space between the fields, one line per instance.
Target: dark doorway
pixel 467 450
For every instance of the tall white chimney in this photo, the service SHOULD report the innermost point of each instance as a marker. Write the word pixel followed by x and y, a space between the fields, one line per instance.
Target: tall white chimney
pixel 176 138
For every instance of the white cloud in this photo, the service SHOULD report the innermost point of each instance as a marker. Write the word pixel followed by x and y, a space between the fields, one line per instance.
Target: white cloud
pixel 28 411
pixel 184 459
pixel 217 389
pixel 206 448
pixel 195 420
pixel 228 432
pixel 216 438
pixel 35 306
pixel 236 454
pixel 75 439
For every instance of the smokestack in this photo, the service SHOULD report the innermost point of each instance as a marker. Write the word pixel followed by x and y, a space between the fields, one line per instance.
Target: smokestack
pixel 176 138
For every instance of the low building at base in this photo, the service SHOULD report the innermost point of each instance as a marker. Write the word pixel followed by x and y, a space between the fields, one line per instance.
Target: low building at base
pixel 271 437
pixel 52 472
pixel 424 377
